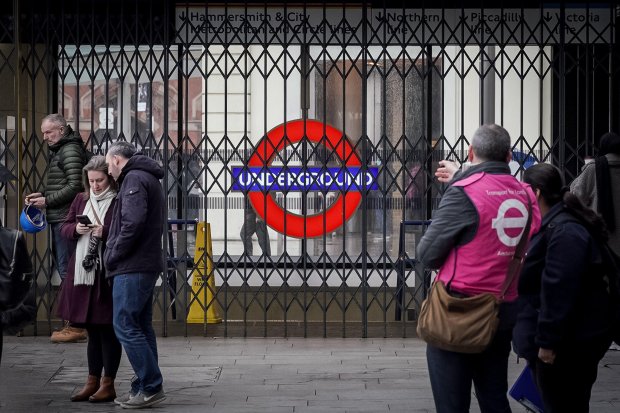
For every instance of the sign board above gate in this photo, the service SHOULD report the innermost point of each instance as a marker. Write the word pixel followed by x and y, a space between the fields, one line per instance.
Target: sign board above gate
pixel 337 26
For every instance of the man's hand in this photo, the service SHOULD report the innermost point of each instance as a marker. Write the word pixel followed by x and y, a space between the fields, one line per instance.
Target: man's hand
pixel 446 171
pixel 546 355
pixel 35 199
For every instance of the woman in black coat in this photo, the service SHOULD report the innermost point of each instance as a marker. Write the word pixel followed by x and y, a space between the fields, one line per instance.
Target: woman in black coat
pixel 563 327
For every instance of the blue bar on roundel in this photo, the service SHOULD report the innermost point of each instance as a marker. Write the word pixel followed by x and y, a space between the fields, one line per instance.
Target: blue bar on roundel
pixel 297 178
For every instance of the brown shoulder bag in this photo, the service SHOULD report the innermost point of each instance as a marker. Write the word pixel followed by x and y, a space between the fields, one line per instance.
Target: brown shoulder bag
pixel 466 324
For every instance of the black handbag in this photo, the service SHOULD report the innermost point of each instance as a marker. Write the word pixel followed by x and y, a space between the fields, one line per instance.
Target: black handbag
pixel 16 274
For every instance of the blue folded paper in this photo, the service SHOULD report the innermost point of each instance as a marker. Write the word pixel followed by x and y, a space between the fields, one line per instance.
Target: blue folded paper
pixel 525 391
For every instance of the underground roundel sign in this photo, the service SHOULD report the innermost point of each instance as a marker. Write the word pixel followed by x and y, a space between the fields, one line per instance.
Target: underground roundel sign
pixel 260 180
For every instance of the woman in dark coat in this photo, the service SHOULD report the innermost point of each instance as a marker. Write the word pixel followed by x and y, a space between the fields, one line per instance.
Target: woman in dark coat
pixel 563 326
pixel 86 297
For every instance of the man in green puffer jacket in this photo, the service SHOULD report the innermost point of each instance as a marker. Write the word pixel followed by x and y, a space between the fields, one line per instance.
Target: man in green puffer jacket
pixel 67 157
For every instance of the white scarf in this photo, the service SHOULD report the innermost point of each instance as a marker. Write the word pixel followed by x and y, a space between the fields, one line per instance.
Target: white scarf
pixel 96 209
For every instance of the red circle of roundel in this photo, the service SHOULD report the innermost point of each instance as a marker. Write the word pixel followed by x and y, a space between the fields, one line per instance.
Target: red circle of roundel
pixel 288 223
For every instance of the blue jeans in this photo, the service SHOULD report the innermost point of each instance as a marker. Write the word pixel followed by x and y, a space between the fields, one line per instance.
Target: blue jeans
pixel 60 249
pixel 132 296
pixel 452 375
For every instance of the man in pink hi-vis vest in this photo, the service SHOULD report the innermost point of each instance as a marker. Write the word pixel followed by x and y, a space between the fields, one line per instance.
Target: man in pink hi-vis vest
pixel 475 230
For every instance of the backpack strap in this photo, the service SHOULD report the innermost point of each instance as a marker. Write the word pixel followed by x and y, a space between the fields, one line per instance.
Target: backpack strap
pixel 14 264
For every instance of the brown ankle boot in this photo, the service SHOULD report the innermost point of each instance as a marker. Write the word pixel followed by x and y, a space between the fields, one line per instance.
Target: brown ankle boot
pixel 91 386
pixel 106 392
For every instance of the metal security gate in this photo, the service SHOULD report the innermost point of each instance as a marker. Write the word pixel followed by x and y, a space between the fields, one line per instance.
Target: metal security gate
pixel 304 134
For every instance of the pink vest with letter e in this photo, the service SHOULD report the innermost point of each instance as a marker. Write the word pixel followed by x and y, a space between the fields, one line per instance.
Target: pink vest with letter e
pixel 481 265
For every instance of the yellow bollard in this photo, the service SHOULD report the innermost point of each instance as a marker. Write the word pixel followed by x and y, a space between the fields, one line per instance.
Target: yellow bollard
pixel 203 270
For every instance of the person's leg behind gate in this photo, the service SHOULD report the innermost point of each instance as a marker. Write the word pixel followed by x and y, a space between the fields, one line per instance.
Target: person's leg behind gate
pixel 263 237
pixel 247 230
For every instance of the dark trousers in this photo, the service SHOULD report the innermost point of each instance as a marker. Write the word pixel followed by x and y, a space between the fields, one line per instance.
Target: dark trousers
pixel 253 225
pixel 1 342
pixel 566 384
pixel 60 248
pixel 103 351
pixel 452 374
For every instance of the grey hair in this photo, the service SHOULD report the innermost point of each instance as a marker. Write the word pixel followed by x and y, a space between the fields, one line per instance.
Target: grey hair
pixel 122 148
pixel 491 143
pixel 56 119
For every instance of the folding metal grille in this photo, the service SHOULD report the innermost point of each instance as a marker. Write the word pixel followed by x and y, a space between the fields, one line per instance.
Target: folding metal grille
pixel 199 87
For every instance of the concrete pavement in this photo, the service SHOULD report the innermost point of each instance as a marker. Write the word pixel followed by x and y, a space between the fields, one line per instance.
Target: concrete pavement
pixel 255 375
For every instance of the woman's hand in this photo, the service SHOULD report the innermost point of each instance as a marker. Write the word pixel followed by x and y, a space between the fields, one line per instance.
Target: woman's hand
pixel 546 355
pixel 82 229
pixel 97 231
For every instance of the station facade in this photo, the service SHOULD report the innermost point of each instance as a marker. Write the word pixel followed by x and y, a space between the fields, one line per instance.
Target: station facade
pixel 320 124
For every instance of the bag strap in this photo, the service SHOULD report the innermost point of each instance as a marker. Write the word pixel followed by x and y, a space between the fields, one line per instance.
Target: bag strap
pixel 456 250
pixel 13 259
pixel 92 208
pixel 514 266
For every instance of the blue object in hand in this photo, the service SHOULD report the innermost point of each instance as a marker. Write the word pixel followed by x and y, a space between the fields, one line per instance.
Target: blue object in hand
pixel 525 391
pixel 32 219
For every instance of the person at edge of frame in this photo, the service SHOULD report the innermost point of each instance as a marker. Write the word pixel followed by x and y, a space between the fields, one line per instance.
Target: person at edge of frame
pixel 563 328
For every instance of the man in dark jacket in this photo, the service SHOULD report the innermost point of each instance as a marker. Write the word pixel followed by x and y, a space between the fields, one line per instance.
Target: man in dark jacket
pixel 133 259
pixel 63 182
pixel 67 157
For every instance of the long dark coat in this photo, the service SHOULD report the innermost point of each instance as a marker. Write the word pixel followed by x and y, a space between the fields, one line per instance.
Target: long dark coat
pixel 563 299
pixel 83 304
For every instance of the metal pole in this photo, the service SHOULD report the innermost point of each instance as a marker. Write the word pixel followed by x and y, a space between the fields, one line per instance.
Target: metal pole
pixel 305 81
pixel 18 112
pixel 488 96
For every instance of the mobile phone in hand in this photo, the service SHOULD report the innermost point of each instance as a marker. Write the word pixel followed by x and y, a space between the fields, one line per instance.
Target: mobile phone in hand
pixel 83 219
